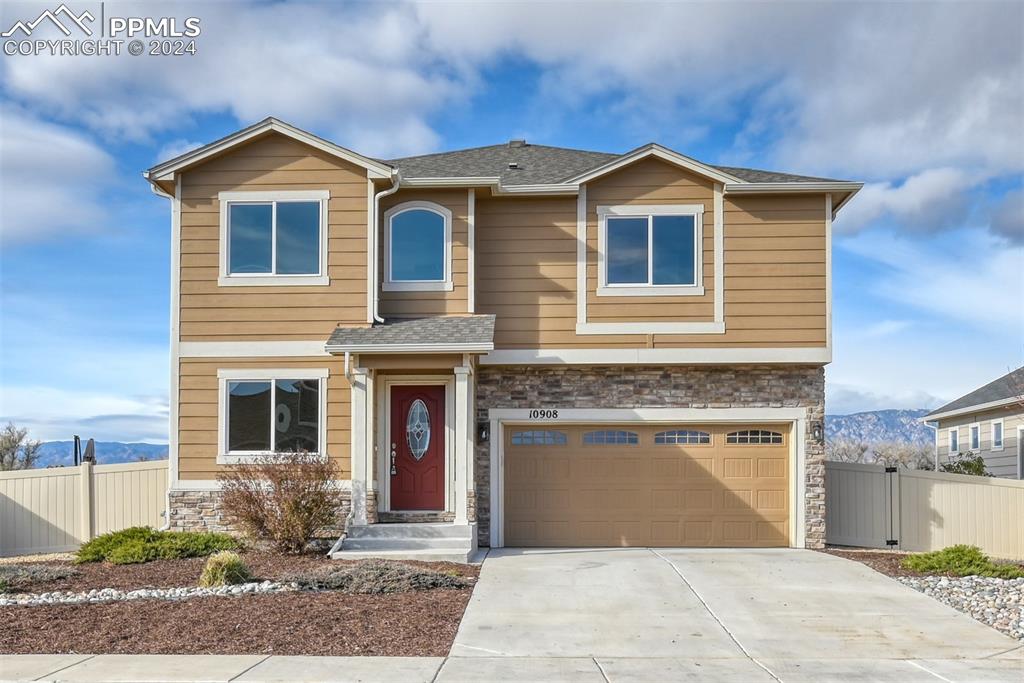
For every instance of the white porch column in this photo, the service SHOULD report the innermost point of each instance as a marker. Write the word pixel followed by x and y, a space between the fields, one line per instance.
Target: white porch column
pixel 362 466
pixel 462 433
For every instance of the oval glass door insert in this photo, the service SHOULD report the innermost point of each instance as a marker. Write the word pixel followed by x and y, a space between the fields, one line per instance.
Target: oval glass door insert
pixel 417 429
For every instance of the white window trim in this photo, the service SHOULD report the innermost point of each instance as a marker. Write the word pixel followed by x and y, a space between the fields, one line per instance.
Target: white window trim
pixel 970 436
pixel 953 434
pixel 648 211
pixel 445 285
pixel 1002 434
pixel 264 374
pixel 1020 451
pixel 228 279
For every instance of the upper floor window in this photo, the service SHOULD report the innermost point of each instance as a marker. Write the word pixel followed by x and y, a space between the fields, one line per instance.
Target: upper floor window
pixel 273 238
pixel 954 440
pixel 650 250
pixel 997 434
pixel 418 247
pixel 975 433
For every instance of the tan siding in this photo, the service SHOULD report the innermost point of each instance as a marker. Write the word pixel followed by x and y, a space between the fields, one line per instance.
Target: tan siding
pixel 213 313
pixel 197 411
pixel 417 304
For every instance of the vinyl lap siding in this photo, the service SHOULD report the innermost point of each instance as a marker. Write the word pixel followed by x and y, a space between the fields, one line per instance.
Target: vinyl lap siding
pixel 212 313
pixel 1001 463
pixel 421 304
pixel 198 407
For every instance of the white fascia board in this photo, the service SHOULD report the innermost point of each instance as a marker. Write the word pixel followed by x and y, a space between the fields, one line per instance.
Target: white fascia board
pixel 659 152
pixel 166 170
pixel 462 181
pixel 404 348
pixel 254 349
pixel 569 189
pixel 790 188
pixel 651 328
pixel 972 409
pixel 686 356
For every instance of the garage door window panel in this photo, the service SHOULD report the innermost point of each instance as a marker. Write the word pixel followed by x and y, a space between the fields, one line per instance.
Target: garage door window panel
pixel 539 437
pixel 611 437
pixel 753 437
pixel 688 437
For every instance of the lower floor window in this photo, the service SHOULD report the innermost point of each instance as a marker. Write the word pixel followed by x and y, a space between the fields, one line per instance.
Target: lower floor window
pixel 273 416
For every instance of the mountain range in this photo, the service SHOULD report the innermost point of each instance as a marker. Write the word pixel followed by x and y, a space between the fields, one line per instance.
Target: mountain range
pixel 57 453
pixel 901 426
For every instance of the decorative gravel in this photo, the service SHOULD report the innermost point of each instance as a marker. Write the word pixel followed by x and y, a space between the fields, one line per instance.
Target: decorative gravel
pixel 113 595
pixel 996 602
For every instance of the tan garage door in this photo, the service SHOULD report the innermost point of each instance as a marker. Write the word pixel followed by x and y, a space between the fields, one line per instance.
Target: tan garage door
pixel 652 485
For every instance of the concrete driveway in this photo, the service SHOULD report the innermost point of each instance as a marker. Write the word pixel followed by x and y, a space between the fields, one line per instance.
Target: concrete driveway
pixel 715 615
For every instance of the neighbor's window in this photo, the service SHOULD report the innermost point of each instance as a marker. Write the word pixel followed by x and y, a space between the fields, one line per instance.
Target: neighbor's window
pixel 997 434
pixel 418 247
pixel 273 238
pixel 682 436
pixel 273 416
pixel 611 437
pixel 753 436
pixel 975 437
pixel 954 440
pixel 652 252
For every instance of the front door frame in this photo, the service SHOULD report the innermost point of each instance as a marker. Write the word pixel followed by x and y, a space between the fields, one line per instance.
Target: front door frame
pixel 384 431
pixel 796 417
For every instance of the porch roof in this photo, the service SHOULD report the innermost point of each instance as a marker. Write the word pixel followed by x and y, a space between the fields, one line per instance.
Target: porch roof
pixel 439 334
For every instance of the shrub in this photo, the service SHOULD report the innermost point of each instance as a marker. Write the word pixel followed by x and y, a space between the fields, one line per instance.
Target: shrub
pixel 223 569
pixel 966 463
pixel 17 577
pixel 961 560
pixel 378 577
pixel 285 498
pixel 144 544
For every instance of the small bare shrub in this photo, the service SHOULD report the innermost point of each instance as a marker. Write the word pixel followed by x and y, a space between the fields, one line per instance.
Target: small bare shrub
pixel 378 577
pixel 908 455
pixel 225 568
pixel 284 498
pixel 846 451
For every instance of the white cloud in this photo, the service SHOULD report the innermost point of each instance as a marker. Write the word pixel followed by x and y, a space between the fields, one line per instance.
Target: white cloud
pixel 886 328
pixel 52 414
pixel 52 180
pixel 969 277
pixel 843 399
pixel 175 148
pixel 1008 218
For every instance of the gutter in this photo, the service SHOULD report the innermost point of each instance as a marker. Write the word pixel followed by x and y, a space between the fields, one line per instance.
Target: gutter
pixel 396 178
pixel 976 408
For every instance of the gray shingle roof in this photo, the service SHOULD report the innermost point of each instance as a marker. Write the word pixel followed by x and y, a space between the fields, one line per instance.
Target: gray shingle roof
pixel 453 331
pixel 1010 385
pixel 541 164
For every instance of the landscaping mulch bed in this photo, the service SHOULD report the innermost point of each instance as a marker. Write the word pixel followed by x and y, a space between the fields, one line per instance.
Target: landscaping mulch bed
pixel 177 573
pixel 415 623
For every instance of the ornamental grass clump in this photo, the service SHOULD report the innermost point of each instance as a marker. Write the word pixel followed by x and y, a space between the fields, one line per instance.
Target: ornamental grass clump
pixel 285 498
pixel 225 568
pixel 961 560
pixel 139 544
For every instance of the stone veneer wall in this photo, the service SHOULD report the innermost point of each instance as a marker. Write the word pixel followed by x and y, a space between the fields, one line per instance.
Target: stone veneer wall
pixel 762 386
pixel 202 511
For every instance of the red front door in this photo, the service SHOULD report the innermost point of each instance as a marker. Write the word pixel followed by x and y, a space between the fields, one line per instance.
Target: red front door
pixel 417 448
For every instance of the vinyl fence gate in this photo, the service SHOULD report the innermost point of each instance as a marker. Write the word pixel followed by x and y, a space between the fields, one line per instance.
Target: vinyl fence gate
pixel 885 507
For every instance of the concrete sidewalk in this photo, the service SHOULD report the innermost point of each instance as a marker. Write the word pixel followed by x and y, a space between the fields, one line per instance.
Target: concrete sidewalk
pixel 1008 668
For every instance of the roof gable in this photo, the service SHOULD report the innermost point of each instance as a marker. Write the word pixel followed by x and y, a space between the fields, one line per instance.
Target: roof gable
pixel 165 170
pixel 1006 389
pixel 659 152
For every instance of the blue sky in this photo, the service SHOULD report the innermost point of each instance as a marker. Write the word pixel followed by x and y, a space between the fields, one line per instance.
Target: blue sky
pixel 923 102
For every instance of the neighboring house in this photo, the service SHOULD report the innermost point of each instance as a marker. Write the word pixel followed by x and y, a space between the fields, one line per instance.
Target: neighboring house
pixel 534 346
pixel 988 422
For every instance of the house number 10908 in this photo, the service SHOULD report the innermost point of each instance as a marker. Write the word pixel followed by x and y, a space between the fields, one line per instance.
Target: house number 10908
pixel 543 414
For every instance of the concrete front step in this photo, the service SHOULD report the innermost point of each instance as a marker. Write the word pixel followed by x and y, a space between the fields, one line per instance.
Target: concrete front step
pixel 423 555
pixel 412 530
pixel 373 544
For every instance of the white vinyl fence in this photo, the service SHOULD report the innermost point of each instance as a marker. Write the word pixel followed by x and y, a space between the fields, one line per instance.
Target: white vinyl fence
pixel 876 507
pixel 55 510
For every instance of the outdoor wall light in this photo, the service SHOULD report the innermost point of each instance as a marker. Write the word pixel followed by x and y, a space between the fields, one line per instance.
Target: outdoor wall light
pixel 816 431
pixel 483 432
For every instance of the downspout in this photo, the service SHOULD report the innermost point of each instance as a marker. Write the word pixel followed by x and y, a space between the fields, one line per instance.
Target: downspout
pixel 396 178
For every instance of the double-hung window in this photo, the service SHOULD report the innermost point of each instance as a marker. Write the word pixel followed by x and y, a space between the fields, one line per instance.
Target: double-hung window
pixel 650 250
pixel 271 411
pixel 997 434
pixel 418 247
pixel 954 440
pixel 273 238
pixel 975 434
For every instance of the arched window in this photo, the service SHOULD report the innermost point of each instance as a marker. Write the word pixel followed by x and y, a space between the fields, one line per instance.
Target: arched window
pixel 539 437
pixel 682 436
pixel 753 436
pixel 417 247
pixel 611 437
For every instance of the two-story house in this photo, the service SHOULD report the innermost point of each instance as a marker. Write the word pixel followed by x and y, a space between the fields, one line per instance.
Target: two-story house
pixel 520 345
